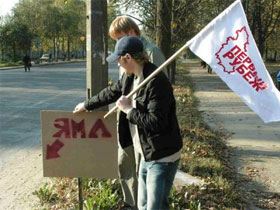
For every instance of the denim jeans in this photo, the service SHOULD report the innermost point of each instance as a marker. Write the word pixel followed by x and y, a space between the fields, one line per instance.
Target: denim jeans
pixel 154 184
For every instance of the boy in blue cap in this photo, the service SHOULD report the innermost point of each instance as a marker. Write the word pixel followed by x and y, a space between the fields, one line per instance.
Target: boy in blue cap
pixel 148 121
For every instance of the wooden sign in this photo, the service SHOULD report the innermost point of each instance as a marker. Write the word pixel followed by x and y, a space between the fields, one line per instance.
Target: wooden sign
pixel 79 145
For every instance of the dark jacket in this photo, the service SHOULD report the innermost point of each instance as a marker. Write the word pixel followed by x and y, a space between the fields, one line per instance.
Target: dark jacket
pixel 26 60
pixel 155 114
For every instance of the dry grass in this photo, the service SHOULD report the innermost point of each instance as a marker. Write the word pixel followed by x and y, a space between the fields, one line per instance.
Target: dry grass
pixel 205 153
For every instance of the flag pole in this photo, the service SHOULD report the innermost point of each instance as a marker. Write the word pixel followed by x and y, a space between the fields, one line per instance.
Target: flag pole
pixel 159 69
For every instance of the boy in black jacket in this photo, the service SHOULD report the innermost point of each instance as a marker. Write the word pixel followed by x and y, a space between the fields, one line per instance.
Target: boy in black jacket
pixel 148 121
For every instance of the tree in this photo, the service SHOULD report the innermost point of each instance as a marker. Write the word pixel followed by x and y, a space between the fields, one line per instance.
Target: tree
pixel 15 38
pixel 272 49
pixel 143 12
pixel 111 15
pixel 53 23
pixel 52 27
pixel 172 22
pixel 28 12
pixel 264 18
pixel 163 28
pixel 74 24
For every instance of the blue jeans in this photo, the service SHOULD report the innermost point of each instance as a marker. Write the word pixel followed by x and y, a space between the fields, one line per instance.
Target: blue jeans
pixel 154 185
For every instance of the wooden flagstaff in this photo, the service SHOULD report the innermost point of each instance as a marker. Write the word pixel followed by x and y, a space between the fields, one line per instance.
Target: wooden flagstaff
pixel 159 69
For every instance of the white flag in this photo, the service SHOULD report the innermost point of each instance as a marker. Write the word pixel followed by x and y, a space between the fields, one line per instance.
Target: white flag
pixel 228 46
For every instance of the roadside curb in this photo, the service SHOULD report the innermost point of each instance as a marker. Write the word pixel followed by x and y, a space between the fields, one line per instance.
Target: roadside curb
pixel 184 179
pixel 41 64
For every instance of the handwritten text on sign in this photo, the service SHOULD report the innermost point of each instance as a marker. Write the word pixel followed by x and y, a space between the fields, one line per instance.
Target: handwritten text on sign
pixel 81 145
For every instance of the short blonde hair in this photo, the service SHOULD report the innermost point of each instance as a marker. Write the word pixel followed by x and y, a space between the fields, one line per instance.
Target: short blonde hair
pixel 122 24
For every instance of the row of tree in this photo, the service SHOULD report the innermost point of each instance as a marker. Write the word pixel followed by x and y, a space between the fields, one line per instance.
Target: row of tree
pixel 61 24
pixel 170 23
pixel 44 26
pixel 173 22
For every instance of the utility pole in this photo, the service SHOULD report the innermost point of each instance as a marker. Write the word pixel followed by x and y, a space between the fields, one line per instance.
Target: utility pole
pixel 97 67
pixel 97 47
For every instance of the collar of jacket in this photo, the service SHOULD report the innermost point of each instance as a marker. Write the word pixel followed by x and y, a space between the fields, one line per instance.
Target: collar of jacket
pixel 147 70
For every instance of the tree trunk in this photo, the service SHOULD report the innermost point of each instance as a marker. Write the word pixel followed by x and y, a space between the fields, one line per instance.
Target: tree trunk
pixel 56 49
pixel 14 53
pixel 259 25
pixel 1 55
pixel 68 49
pixel 246 6
pixel 53 55
pixel 163 30
pixel 254 17
pixel 275 56
pixel 173 64
pixel 261 44
pixel 266 53
pixel 63 48
pixel 172 72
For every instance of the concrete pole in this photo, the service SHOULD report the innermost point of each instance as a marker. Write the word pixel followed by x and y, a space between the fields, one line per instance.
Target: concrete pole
pixel 97 47
pixel 97 67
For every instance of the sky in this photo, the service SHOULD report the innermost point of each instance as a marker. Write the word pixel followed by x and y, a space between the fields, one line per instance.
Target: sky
pixel 6 6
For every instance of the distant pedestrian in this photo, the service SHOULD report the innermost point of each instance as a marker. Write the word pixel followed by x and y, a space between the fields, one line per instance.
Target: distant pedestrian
pixel 27 62
pixel 209 69
pixel 204 65
pixel 278 80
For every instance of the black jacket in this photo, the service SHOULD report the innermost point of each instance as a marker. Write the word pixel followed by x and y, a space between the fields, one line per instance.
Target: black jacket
pixel 26 60
pixel 155 114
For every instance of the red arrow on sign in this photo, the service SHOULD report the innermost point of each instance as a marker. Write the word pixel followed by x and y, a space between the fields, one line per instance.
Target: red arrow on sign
pixel 53 149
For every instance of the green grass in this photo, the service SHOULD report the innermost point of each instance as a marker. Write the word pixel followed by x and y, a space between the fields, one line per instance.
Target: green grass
pixel 46 194
pixel 7 64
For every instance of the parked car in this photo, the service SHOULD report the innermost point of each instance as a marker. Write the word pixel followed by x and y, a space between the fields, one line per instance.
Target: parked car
pixel 45 57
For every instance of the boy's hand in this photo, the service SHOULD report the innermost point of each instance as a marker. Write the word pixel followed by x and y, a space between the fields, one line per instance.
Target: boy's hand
pixel 79 108
pixel 124 104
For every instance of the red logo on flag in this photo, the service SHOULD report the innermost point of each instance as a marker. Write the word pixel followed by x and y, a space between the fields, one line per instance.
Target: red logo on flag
pixel 233 57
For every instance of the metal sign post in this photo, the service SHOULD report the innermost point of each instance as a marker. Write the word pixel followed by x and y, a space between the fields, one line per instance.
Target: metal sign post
pixel 80 187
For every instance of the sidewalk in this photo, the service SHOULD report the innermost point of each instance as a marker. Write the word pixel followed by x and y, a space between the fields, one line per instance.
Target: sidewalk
pixel 41 64
pixel 256 144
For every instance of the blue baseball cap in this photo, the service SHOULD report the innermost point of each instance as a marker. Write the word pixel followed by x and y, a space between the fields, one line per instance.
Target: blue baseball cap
pixel 127 44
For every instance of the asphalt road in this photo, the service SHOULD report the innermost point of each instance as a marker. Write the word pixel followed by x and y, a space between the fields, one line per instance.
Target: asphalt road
pixel 24 94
